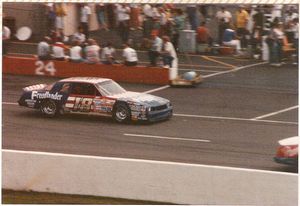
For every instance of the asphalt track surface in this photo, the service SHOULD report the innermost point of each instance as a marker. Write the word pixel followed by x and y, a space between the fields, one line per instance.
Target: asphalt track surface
pixel 213 124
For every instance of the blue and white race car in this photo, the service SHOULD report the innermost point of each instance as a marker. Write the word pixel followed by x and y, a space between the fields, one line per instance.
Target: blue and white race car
pixel 93 95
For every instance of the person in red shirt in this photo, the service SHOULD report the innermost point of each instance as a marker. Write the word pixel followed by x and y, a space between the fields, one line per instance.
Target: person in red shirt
pixel 203 35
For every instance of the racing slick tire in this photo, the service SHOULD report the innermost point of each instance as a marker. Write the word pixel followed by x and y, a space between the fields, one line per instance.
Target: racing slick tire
pixel 121 113
pixel 48 108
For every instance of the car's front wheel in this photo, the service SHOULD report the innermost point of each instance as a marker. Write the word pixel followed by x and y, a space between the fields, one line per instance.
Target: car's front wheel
pixel 49 108
pixel 121 113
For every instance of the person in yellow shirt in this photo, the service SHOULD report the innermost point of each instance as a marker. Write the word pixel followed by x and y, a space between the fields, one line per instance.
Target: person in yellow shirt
pixel 242 18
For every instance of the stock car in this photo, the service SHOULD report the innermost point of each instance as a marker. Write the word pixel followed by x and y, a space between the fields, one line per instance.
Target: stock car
pixel 93 95
pixel 287 152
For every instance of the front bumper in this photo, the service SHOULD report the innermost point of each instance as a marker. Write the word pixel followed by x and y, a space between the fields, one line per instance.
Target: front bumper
pixel 286 160
pixel 155 116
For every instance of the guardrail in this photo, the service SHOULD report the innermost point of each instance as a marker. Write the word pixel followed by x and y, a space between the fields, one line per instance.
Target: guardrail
pixel 146 180
pixel 32 66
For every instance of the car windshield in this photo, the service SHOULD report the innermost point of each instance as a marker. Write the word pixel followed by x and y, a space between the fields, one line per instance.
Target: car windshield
pixel 110 88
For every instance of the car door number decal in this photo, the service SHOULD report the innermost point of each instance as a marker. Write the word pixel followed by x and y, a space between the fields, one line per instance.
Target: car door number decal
pixel 79 104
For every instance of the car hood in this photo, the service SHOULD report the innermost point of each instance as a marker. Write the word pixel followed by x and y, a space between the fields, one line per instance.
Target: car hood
pixel 289 141
pixel 140 98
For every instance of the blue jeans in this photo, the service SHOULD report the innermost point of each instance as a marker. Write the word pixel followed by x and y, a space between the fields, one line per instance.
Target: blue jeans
pixel 276 52
pixel 167 60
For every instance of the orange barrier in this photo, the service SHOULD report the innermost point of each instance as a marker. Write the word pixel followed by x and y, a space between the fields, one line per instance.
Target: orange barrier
pixel 32 66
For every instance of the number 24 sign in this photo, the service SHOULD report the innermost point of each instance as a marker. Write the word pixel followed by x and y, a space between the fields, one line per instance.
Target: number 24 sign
pixel 43 69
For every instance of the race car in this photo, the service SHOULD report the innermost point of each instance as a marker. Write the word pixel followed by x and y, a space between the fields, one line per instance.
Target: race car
pixel 287 152
pixel 93 95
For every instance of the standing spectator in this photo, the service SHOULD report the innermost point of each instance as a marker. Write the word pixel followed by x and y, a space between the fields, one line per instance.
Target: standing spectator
pixel 290 15
pixel 85 13
pixel 163 21
pixel 256 38
pixel 60 14
pixel 179 21
pixel 100 12
pixel 51 16
pixel 108 54
pixel 203 35
pixel 169 54
pixel 192 16
pixel 296 39
pixel 155 49
pixel 275 46
pixel 111 17
pixel 92 52
pixel 135 16
pixel 242 18
pixel 123 16
pixel 58 50
pixel 258 18
pixel 43 49
pixel 5 39
pixel 79 36
pixel 76 52
pixel 148 20
pixel 230 39
pixel 224 18
pixel 130 56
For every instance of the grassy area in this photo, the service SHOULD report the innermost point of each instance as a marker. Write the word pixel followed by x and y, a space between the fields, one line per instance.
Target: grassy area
pixel 22 197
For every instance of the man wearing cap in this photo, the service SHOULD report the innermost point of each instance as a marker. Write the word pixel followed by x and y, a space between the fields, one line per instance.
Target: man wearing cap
pixel 242 18
pixel 155 49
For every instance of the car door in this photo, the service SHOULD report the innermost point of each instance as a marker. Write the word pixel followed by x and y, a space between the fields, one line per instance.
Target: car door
pixel 81 97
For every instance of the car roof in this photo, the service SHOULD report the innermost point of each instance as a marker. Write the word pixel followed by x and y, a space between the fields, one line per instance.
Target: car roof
pixel 92 80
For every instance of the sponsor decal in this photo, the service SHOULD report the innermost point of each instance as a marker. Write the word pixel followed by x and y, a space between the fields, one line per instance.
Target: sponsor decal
pixel 30 102
pixel 45 95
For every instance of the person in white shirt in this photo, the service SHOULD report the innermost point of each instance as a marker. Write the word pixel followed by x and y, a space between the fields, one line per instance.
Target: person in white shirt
pixel 155 49
pixel 92 52
pixel 123 16
pixel 108 54
pixel 58 50
pixel 79 36
pixel 85 13
pixel 43 49
pixel 130 56
pixel 169 54
pixel 5 39
pixel 76 52
pixel 224 18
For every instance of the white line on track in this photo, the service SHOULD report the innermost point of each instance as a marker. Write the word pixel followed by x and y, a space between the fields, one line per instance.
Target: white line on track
pixel 275 113
pixel 209 117
pixel 168 138
pixel 234 118
pixel 157 89
pixel 10 103
pixel 234 70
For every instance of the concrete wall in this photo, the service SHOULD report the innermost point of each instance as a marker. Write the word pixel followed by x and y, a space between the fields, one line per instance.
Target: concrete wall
pixel 146 180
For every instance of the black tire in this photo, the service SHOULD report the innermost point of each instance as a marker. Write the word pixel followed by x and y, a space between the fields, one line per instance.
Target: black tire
pixel 121 113
pixel 49 108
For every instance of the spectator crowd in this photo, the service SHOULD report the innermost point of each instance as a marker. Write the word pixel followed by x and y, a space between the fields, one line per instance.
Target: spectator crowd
pixel 243 30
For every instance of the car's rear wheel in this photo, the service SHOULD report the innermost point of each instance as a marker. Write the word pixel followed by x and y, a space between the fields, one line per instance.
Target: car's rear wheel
pixel 49 108
pixel 121 113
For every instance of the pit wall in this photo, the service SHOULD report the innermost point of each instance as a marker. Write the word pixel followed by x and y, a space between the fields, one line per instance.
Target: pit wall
pixel 32 66
pixel 146 180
